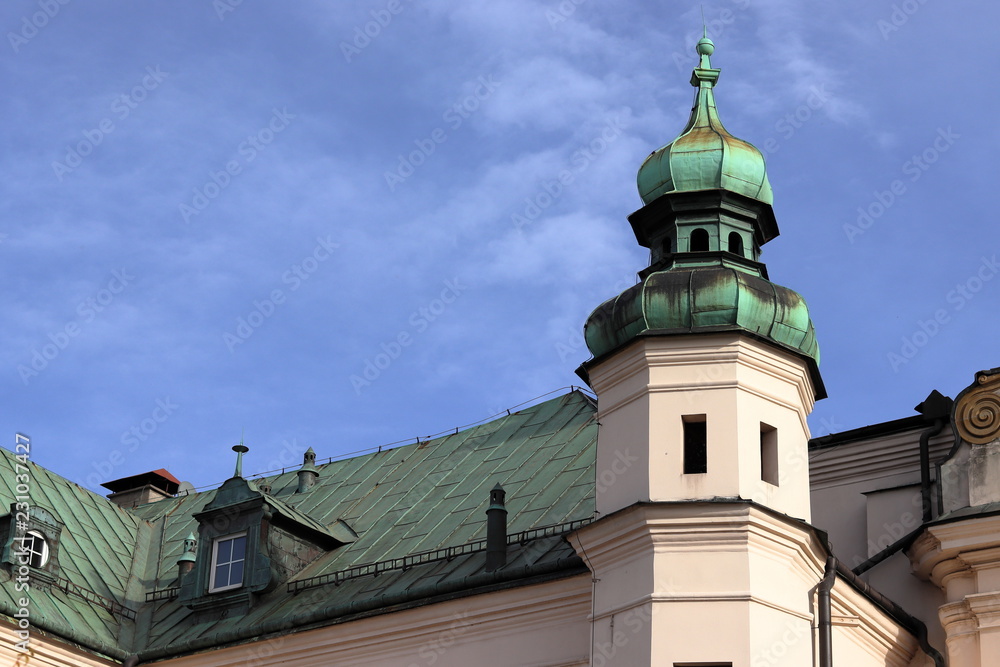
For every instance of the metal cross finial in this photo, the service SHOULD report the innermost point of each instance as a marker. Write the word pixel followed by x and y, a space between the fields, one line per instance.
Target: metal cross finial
pixel 240 450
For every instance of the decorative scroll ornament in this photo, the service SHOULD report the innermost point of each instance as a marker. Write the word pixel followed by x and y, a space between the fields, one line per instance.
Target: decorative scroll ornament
pixel 977 413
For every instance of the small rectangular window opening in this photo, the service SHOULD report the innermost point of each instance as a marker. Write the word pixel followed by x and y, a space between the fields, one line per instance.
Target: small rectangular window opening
pixel 695 444
pixel 769 454
pixel 228 557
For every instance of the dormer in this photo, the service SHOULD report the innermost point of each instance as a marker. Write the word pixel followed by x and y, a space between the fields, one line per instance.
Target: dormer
pixel 248 542
pixel 30 538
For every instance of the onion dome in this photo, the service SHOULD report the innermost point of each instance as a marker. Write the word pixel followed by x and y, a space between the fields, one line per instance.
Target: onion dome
pixel 705 155
pixel 707 212
pixel 703 299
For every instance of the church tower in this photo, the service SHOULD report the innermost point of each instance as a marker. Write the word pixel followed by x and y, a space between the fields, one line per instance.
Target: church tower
pixel 705 374
pixel 705 370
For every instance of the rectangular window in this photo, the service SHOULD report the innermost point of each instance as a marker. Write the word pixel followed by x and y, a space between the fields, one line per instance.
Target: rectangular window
pixel 769 454
pixel 695 444
pixel 228 556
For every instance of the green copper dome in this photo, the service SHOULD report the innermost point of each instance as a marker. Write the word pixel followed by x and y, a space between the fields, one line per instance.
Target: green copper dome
pixel 705 156
pixel 707 213
pixel 703 299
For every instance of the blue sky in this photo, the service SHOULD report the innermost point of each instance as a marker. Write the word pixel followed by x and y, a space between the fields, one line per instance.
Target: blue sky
pixel 340 225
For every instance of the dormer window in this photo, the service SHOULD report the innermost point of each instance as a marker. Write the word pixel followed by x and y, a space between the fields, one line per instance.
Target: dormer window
pixel 228 557
pixel 34 549
pixel 29 537
pixel 239 529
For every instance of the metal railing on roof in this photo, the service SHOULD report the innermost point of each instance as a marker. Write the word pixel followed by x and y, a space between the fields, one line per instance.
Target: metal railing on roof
pixel 163 594
pixel 424 557
pixel 413 440
pixel 90 596
pixel 403 563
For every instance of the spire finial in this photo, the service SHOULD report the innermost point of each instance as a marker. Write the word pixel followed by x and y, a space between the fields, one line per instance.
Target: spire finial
pixel 240 450
pixel 705 47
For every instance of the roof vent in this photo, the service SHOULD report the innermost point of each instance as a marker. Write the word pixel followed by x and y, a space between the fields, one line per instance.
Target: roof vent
pixel 496 530
pixel 187 560
pixel 307 473
pixel 147 487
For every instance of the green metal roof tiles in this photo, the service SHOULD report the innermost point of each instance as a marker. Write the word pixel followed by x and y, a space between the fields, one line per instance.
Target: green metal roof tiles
pixel 97 546
pixel 401 501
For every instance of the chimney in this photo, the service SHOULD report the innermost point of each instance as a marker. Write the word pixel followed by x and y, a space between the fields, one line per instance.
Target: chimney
pixel 147 487
pixel 496 530
pixel 307 473
pixel 186 562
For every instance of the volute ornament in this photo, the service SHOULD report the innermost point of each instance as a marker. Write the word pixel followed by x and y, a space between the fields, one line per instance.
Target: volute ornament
pixel 977 412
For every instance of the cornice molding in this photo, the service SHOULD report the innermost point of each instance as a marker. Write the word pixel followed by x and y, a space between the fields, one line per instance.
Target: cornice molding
pixel 639 530
pixel 957 548
pixel 896 455
pixel 638 362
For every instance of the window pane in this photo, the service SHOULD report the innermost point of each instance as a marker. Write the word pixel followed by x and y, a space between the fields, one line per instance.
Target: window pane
pixel 225 550
pixel 236 573
pixel 239 547
pixel 36 549
pixel 222 575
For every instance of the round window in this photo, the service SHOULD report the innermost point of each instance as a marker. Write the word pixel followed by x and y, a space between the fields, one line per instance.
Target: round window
pixel 35 548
